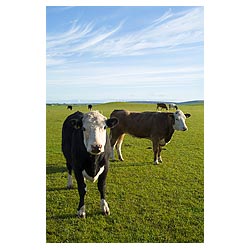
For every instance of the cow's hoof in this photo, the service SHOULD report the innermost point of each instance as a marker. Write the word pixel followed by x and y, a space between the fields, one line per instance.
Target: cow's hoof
pixel 156 163
pixel 70 187
pixel 106 213
pixel 81 215
pixel 105 207
pixel 81 212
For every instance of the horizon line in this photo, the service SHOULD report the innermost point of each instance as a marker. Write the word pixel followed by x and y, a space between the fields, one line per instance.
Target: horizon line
pixel 125 101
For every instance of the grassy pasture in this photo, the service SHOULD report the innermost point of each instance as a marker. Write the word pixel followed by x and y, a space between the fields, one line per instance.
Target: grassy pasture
pixel 148 203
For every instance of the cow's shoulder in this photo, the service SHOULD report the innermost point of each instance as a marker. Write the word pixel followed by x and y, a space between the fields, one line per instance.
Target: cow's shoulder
pixel 76 115
pixel 120 112
pixel 162 120
pixel 159 116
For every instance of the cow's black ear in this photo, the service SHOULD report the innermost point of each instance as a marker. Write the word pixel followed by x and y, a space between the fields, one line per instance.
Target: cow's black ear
pixel 187 115
pixel 76 123
pixel 112 122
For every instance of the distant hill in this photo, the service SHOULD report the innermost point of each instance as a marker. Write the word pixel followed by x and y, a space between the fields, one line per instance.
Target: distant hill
pixel 180 103
pixel 150 102
pixel 192 102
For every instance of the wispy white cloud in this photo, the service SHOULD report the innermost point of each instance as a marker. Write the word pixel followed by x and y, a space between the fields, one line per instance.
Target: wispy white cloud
pixel 168 32
pixel 53 62
pixel 98 37
pixel 72 36
pixel 163 33
pixel 164 17
pixel 76 41
pixel 157 61
pixel 128 76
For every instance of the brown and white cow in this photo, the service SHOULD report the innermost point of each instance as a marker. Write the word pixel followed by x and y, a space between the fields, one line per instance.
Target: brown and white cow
pixel 155 126
pixel 86 147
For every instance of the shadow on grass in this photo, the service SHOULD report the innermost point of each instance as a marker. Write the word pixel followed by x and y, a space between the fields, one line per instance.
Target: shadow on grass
pixel 140 164
pixel 61 189
pixel 121 164
pixel 52 169
pixel 152 148
pixel 62 216
pixel 89 214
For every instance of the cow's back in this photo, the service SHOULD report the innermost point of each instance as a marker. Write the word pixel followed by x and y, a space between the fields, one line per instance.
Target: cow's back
pixel 142 124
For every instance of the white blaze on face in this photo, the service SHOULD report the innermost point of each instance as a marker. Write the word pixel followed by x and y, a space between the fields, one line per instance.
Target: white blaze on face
pixel 179 121
pixel 94 130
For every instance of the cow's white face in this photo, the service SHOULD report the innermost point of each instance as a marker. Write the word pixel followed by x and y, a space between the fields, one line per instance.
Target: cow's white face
pixel 179 120
pixel 94 127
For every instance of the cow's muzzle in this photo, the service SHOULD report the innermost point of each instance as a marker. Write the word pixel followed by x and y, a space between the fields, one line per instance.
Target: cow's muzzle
pixel 96 149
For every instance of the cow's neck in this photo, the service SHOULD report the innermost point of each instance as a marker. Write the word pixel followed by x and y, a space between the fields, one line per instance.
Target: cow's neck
pixel 96 162
pixel 169 135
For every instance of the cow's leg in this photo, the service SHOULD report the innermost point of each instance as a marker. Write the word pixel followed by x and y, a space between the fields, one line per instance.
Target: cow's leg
pixel 101 187
pixel 70 179
pixel 155 150
pixel 113 142
pixel 82 191
pixel 119 147
pixel 159 154
pixel 162 143
pixel 112 156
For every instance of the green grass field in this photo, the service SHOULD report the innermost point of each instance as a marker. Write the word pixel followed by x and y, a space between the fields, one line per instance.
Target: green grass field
pixel 148 203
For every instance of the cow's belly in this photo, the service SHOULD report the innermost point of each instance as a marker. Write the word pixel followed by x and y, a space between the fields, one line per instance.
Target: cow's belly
pixel 163 142
pixel 140 135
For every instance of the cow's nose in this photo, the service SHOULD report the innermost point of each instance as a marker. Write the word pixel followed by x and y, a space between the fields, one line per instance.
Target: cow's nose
pixel 184 129
pixel 96 148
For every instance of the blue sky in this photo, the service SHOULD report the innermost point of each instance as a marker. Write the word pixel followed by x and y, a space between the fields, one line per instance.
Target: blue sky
pixel 103 54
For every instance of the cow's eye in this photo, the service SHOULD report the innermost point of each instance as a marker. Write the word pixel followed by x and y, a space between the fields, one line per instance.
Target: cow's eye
pixel 105 127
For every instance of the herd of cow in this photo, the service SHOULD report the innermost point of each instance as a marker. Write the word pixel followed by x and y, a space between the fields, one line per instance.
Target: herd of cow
pixel 87 147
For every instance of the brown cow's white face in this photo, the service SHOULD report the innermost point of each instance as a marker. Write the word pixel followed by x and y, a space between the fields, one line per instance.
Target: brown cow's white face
pixel 94 127
pixel 179 120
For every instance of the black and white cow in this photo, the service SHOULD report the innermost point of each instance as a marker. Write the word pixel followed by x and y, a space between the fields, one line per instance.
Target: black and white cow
pixel 173 106
pixel 86 147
